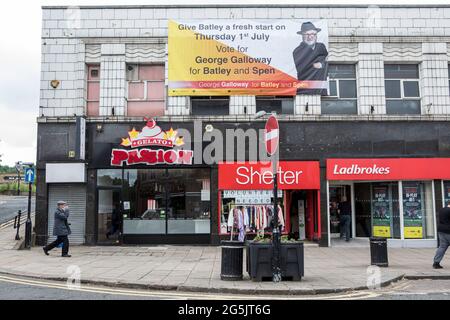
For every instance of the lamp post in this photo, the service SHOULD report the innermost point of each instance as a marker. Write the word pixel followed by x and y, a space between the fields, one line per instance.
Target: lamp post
pixel 271 142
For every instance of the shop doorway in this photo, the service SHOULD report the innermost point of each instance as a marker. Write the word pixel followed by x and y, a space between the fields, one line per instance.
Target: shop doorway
pixel 109 218
pixel 339 193
pixel 303 210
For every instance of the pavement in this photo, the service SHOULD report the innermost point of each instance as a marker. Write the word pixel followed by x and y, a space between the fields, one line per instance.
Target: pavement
pixel 197 268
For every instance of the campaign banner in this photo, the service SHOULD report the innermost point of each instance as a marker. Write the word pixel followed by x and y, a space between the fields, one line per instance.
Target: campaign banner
pixel 381 218
pixel 412 210
pixel 247 57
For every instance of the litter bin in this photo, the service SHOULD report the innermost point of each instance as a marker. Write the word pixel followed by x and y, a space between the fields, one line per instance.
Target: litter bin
pixel 378 252
pixel 232 260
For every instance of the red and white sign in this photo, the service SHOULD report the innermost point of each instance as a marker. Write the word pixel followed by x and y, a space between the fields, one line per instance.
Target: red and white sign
pixel 151 135
pixel 388 169
pixel 258 175
pixel 271 135
pixel 150 157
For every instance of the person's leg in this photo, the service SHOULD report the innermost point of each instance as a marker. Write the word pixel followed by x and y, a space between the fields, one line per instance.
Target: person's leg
pixel 444 242
pixel 347 228
pixel 65 249
pixel 53 245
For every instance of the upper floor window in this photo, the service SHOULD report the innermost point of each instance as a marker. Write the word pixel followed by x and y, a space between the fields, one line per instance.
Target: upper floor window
pixel 402 88
pixel 342 94
pixel 210 105
pixel 93 90
pixel 146 90
pixel 278 104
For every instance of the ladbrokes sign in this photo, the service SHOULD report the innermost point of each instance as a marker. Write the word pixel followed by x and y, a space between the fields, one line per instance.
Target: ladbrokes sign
pixel 388 169
pixel 151 136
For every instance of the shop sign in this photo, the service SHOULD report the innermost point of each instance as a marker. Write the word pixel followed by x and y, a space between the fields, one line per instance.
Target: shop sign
pixel 388 169
pixel 247 57
pixel 254 197
pixel 151 135
pixel 255 176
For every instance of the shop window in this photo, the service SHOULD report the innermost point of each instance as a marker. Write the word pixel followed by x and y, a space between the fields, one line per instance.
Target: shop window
pixel 93 90
pixel 377 210
pixel 418 214
pixel 402 88
pixel 257 207
pixel 342 94
pixel 446 193
pixel 210 106
pixel 161 201
pixel 280 105
pixel 146 90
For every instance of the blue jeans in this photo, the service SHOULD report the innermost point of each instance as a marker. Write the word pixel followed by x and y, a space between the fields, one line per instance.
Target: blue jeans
pixel 345 226
pixel 444 242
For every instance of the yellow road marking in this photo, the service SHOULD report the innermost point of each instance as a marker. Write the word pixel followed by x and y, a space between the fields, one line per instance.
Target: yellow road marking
pixel 181 295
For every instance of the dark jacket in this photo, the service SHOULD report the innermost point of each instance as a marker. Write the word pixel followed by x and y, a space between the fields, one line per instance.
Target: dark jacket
pixel 345 208
pixel 61 226
pixel 305 57
pixel 444 220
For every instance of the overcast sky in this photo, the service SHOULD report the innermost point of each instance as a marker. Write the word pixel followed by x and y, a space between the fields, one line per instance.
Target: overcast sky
pixel 20 31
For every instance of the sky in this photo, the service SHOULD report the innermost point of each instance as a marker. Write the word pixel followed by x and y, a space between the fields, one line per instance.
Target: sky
pixel 20 32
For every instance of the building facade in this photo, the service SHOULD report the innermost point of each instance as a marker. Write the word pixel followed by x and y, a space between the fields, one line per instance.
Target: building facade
pixel 379 137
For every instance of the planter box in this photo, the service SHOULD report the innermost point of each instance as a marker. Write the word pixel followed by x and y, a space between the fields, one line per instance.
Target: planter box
pixel 259 261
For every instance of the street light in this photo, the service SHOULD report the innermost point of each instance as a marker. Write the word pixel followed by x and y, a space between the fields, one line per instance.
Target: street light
pixel 276 237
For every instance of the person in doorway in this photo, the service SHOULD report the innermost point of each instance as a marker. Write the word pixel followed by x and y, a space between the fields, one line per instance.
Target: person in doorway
pixel 61 229
pixel 116 220
pixel 345 211
pixel 444 235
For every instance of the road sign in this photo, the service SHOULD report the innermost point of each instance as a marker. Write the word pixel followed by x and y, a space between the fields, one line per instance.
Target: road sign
pixel 29 175
pixel 271 136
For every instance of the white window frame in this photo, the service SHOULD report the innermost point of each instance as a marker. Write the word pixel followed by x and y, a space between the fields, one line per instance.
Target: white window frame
pixel 145 82
pixel 402 89
pixel 88 66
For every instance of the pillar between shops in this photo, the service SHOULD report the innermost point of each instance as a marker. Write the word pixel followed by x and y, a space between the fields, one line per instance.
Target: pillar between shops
pixel 323 242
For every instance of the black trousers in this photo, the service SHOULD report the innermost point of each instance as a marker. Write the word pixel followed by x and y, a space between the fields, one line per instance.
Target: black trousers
pixel 60 239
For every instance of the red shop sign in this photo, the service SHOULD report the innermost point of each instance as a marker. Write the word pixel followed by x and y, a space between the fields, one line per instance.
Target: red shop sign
pixel 388 169
pixel 258 175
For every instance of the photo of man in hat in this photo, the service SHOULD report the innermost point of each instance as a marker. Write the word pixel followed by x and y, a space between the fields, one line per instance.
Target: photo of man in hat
pixel 310 58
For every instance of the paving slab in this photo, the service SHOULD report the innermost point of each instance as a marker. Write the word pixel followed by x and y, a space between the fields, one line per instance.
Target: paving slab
pixel 187 268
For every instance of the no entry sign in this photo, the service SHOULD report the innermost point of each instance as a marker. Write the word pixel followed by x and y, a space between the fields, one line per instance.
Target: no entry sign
pixel 271 135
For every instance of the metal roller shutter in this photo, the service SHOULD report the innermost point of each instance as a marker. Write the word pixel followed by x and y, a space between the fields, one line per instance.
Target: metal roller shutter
pixel 75 196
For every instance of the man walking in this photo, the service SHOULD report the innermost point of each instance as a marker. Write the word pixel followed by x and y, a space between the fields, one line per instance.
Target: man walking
pixel 61 229
pixel 444 235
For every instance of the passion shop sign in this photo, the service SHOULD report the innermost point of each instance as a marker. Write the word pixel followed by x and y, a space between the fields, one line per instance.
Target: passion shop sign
pixel 151 135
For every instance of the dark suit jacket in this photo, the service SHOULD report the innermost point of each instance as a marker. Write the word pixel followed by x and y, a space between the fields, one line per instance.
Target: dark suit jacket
pixel 444 220
pixel 305 57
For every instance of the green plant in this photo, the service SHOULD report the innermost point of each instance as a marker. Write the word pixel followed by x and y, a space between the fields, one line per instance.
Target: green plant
pixel 261 238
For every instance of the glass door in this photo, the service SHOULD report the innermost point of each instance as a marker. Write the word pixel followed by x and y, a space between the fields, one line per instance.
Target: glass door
pixel 109 218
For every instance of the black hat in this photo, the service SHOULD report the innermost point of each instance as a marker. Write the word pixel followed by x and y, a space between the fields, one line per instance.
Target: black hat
pixel 306 26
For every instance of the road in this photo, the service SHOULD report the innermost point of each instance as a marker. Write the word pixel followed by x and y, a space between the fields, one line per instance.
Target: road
pixel 9 205
pixel 14 288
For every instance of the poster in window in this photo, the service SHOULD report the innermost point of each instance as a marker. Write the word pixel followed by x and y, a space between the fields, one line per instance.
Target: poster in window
pixel 412 211
pixel 446 193
pixel 381 218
